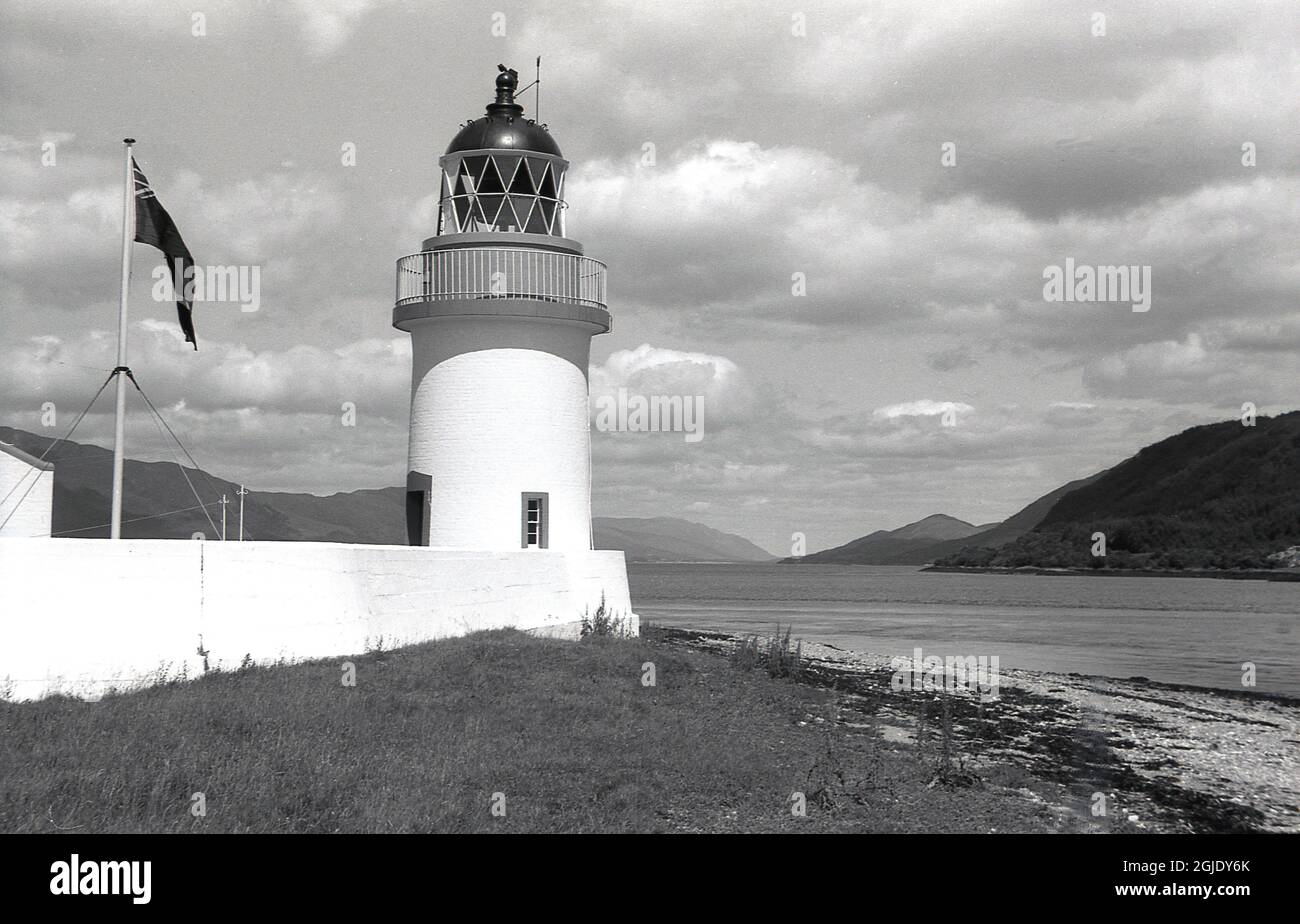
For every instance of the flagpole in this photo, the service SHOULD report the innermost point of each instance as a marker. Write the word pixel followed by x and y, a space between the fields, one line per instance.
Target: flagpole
pixel 119 421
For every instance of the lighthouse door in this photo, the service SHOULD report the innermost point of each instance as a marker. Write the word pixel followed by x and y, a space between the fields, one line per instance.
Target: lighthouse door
pixel 418 488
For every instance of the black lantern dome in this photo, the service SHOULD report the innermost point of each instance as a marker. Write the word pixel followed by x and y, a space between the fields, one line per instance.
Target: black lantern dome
pixel 504 125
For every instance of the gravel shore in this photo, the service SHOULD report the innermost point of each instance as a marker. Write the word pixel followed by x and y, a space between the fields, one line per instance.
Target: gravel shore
pixel 1158 757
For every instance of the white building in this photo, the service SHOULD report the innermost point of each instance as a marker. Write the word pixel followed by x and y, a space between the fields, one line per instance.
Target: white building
pixel 26 494
pixel 501 308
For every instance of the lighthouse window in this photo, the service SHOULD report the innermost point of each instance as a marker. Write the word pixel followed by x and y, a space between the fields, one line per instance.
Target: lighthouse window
pixel 502 192
pixel 533 532
pixel 521 182
pixel 538 221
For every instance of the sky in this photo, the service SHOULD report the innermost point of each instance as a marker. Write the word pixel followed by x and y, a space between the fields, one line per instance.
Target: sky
pixel 830 220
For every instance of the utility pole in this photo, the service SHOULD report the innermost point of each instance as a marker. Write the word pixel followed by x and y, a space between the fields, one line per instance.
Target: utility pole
pixel 241 492
pixel 224 501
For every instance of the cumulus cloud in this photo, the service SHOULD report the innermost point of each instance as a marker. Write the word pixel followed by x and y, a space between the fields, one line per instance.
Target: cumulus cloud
pixel 924 407
pixel 223 376
pixel 1045 116
pixel 328 24
pixel 647 370
pixel 1197 370
pixel 695 226
pixel 687 240
pixel 62 226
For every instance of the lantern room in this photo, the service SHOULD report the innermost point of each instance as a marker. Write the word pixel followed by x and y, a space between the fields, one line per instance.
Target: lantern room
pixel 503 172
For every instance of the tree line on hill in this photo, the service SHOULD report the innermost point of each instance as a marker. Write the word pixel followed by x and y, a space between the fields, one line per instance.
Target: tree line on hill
pixel 1221 496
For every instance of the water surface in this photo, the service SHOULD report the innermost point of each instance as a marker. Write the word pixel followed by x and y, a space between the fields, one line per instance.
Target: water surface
pixel 1179 630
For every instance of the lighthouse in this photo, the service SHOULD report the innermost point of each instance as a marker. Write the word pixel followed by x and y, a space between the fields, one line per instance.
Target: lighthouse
pixel 501 306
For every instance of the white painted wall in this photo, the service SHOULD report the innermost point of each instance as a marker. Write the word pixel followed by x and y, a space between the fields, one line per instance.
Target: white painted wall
pixel 31 515
pixel 80 616
pixel 499 408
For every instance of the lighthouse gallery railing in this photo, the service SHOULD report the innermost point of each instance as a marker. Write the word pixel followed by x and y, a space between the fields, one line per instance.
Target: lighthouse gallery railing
pixel 500 272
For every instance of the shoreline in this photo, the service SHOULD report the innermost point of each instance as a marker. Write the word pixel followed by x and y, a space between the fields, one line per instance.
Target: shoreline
pixel 1180 758
pixel 1283 575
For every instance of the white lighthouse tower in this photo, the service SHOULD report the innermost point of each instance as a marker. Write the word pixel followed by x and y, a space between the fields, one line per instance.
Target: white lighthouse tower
pixel 501 307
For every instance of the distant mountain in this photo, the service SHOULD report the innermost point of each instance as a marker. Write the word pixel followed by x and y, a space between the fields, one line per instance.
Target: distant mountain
pixel 1217 496
pixel 667 539
pixel 996 535
pixel 935 526
pixel 158 503
pixel 887 546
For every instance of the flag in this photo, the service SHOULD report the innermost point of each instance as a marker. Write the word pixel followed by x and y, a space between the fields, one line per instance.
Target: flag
pixel 153 226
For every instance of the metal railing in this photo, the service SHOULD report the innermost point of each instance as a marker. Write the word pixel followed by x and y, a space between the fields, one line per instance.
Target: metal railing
pixel 500 272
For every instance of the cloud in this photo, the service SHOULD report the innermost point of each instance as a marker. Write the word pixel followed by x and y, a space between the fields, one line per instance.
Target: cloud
pixel 324 26
pixel 328 24
pixel 1219 370
pixel 922 408
pixel 374 374
pixel 1047 118
pixel 715 231
pixel 715 380
pixel 63 226
pixel 1074 415
pixel 699 227
pixel 958 357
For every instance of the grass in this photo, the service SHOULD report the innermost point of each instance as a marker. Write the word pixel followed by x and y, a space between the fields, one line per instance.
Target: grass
pixel 569 733
pixel 603 623
pixel 777 657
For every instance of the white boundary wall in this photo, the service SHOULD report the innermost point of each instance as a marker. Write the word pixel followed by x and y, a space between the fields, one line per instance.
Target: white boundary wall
pixel 81 616
pixel 26 495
